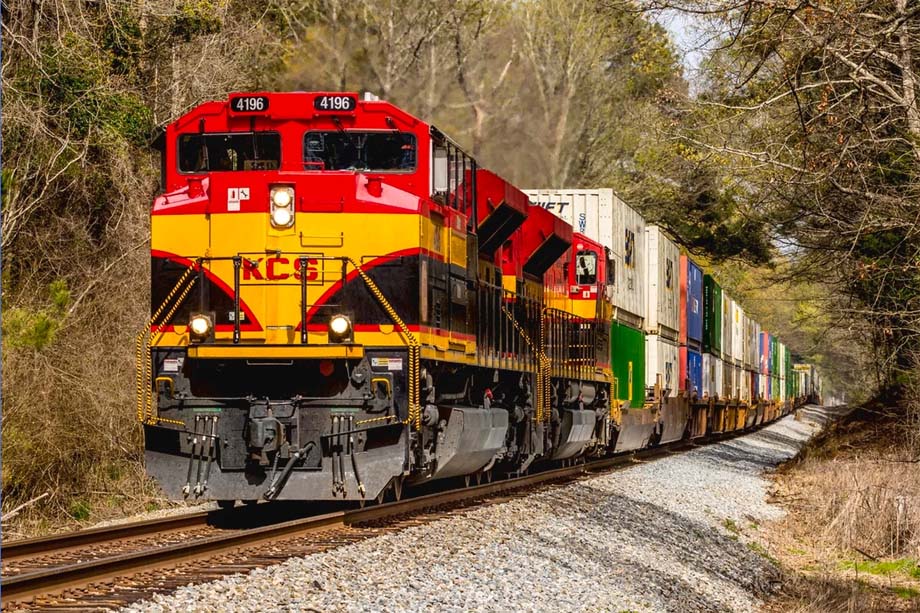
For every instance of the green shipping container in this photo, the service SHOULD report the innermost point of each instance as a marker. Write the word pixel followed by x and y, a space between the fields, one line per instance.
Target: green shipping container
pixel 627 355
pixel 712 315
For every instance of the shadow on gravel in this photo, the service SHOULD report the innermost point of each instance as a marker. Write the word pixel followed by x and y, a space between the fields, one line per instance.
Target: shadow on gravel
pixel 746 456
pixel 669 561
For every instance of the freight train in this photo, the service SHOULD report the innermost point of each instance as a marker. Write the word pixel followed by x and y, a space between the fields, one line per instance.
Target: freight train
pixel 344 304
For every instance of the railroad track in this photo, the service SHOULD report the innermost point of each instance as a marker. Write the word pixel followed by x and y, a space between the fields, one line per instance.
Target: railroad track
pixel 39 586
pixel 159 555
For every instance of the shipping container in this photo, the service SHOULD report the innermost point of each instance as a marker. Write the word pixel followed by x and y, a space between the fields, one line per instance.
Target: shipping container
pixel 712 375
pixel 691 302
pixel 752 344
pixel 755 386
pixel 627 357
pixel 737 333
pixel 712 316
pixel 728 380
pixel 691 371
pixel 774 355
pixel 727 328
pixel 789 373
pixel 765 353
pixel 600 215
pixel 745 389
pixel 662 301
pixel 661 359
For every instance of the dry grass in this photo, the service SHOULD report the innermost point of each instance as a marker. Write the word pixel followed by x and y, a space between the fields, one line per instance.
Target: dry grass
pixel 851 540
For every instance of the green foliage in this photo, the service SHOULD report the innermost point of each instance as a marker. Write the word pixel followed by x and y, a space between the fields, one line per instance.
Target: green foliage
pixel 762 552
pixel 36 328
pixel 906 567
pixel 908 593
pixel 80 510
pixel 197 18
pixel 76 80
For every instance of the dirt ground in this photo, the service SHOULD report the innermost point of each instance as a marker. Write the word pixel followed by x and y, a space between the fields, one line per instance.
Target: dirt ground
pixel 850 541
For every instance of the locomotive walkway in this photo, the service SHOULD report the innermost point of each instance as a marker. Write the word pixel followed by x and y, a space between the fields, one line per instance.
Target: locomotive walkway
pixel 654 537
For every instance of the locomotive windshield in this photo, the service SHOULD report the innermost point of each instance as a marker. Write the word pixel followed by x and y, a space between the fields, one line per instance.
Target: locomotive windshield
pixel 365 151
pixel 229 152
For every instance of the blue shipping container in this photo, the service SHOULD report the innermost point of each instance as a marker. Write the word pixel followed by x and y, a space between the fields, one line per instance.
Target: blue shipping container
pixel 691 302
pixel 695 371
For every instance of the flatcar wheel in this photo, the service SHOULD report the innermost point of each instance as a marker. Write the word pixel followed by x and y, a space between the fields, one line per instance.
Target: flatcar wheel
pixel 226 504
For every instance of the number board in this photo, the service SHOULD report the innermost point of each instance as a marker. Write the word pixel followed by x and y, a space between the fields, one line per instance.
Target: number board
pixel 249 104
pixel 335 103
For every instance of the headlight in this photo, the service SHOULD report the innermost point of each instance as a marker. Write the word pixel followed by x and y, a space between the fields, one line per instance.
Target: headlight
pixel 339 329
pixel 282 206
pixel 282 218
pixel 199 327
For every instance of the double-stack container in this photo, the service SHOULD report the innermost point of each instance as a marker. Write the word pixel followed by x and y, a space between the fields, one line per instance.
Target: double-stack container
pixel 774 368
pixel 662 317
pixel 691 327
pixel 713 373
pixel 728 363
pixel 600 215
pixel 765 365
pixel 790 380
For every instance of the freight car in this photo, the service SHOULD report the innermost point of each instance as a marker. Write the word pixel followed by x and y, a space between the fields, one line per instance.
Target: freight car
pixel 344 303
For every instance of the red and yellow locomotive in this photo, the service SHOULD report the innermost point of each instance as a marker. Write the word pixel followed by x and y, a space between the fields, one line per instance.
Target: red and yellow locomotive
pixel 344 302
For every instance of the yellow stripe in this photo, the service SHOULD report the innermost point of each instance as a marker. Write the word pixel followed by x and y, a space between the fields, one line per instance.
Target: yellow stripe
pixel 286 352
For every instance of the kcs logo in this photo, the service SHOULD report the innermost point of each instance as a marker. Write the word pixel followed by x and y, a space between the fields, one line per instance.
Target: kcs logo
pixel 278 269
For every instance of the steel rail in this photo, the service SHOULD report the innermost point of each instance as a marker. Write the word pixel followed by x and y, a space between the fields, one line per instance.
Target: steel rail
pixel 48 581
pixel 59 543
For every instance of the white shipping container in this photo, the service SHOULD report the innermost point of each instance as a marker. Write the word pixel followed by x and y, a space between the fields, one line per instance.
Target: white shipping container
pixel 600 215
pixel 727 327
pixel 707 378
pixel 718 372
pixel 745 386
pixel 661 359
pixel 751 343
pixel 737 333
pixel 712 376
pixel 662 302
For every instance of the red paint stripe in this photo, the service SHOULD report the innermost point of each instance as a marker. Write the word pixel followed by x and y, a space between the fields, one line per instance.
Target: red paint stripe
pixel 251 326
pixel 354 273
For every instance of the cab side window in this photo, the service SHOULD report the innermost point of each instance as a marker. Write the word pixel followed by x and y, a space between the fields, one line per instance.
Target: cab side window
pixel 586 268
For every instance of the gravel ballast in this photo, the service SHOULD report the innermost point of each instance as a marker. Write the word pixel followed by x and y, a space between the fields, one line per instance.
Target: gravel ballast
pixel 657 536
